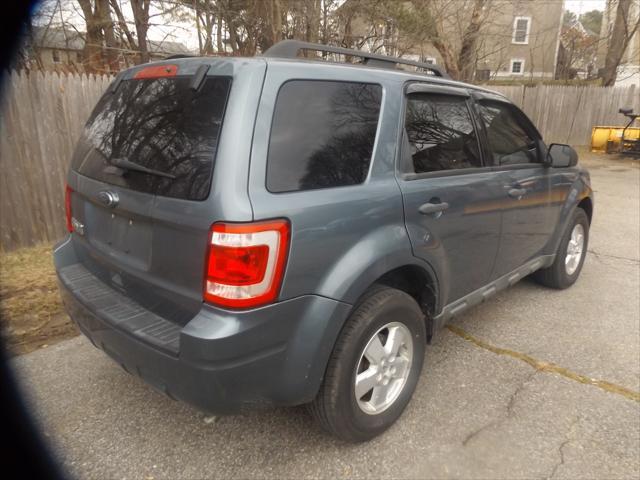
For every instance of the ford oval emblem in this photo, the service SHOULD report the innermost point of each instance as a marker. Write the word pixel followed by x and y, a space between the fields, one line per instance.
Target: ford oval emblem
pixel 108 199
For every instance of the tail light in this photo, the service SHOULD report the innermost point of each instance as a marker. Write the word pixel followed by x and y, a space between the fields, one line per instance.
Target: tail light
pixel 67 206
pixel 245 263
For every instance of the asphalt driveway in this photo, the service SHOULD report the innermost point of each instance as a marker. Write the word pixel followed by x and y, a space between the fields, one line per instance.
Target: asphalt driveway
pixel 533 384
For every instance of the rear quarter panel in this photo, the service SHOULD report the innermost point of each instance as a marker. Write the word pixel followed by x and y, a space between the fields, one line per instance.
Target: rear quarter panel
pixel 342 238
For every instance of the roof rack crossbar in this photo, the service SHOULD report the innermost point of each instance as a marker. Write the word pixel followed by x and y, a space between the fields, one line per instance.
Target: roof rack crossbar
pixel 290 49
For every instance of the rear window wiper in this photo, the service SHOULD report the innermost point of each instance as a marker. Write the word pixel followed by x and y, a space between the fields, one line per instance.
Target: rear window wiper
pixel 129 165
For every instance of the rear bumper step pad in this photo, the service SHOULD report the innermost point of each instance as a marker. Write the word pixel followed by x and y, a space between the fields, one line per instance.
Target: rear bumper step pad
pixel 119 310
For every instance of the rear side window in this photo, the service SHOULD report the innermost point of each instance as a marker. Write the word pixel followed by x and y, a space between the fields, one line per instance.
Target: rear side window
pixel 509 142
pixel 440 133
pixel 158 124
pixel 322 134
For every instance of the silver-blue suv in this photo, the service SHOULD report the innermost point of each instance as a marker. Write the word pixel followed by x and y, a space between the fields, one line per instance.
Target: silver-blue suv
pixel 274 231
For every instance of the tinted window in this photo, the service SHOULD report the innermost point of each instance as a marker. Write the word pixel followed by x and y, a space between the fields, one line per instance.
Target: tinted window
pixel 322 135
pixel 160 124
pixel 509 141
pixel 440 133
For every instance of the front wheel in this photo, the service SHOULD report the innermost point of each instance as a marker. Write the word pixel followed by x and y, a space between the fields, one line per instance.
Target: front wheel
pixel 374 367
pixel 570 255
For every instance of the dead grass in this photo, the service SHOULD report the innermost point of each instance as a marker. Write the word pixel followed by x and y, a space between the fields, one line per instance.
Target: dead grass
pixel 31 312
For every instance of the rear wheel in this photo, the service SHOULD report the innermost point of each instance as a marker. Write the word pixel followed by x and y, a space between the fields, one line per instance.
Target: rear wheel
pixel 374 367
pixel 572 250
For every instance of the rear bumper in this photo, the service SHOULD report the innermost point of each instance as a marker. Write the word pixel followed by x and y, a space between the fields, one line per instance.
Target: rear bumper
pixel 222 361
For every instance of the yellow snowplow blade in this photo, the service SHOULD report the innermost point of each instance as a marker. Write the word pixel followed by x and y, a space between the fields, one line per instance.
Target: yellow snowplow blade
pixel 607 139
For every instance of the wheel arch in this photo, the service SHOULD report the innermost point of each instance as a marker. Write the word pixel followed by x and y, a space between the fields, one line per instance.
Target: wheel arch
pixel 586 204
pixel 418 281
pixel 580 196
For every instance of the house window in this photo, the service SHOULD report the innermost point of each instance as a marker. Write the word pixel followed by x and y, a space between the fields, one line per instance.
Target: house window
pixel 56 56
pixel 79 57
pixel 430 60
pixel 517 66
pixel 521 27
pixel 482 75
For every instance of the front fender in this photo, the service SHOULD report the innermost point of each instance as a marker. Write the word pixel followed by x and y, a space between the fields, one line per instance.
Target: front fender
pixel 578 191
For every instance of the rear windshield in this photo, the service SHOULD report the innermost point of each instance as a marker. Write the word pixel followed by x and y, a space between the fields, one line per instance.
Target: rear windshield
pixel 161 125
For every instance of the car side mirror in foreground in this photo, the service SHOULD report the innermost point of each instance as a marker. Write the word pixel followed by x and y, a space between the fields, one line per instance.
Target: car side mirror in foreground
pixel 560 155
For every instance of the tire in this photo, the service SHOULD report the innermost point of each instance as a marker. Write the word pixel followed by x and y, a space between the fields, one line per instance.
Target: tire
pixel 559 275
pixel 336 407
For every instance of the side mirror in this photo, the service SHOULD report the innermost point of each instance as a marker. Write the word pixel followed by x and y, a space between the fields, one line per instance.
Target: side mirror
pixel 560 155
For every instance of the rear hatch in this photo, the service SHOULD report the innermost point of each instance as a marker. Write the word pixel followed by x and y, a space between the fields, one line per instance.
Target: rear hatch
pixel 141 181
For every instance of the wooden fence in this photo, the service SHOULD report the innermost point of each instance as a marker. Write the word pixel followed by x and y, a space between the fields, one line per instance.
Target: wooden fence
pixel 566 114
pixel 41 117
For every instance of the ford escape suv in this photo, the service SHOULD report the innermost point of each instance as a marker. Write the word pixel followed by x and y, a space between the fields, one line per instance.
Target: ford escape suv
pixel 275 231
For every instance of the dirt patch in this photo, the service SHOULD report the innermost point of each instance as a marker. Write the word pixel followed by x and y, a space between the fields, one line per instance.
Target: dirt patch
pixel 31 312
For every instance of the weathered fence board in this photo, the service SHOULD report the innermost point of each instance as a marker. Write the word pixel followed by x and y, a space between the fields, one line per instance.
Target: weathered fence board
pixel 41 116
pixel 566 114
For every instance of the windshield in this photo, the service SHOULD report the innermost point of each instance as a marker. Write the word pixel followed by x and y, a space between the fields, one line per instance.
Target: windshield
pixel 159 124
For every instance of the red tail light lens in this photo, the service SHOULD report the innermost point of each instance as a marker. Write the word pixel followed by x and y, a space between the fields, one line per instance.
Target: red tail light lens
pixel 238 266
pixel 245 263
pixel 67 206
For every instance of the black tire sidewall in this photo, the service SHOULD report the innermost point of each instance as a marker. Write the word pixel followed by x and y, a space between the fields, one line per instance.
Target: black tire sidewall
pixel 566 280
pixel 397 308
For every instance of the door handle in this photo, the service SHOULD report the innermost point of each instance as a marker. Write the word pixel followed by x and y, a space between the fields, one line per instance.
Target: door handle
pixel 431 207
pixel 517 192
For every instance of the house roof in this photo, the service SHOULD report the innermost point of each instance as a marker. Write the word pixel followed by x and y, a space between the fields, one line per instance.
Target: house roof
pixel 54 37
pixel 71 39
pixel 168 48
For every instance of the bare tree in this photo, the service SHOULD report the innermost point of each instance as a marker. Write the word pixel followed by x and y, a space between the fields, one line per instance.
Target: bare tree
pixel 399 28
pixel 126 37
pixel 93 12
pixel 624 28
pixel 577 50
pixel 469 45
pixel 140 10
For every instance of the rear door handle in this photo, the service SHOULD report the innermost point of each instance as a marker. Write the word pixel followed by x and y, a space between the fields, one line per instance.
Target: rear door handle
pixel 430 207
pixel 517 192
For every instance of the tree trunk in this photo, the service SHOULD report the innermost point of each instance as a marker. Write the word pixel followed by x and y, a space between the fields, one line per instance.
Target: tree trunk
pixel 140 9
pixel 109 35
pixel 617 44
pixel 312 11
pixel 276 24
pixel 468 50
pixel 196 12
pixel 448 57
pixel 92 53
pixel 209 21
pixel 219 46
pixel 125 33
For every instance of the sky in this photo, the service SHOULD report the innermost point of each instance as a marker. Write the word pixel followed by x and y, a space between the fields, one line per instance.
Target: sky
pixel 581 6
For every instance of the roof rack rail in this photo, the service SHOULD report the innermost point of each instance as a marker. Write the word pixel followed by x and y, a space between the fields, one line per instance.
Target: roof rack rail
pixel 177 56
pixel 290 49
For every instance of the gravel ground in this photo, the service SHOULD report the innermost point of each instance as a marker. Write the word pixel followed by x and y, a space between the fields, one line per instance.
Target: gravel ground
pixel 478 412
